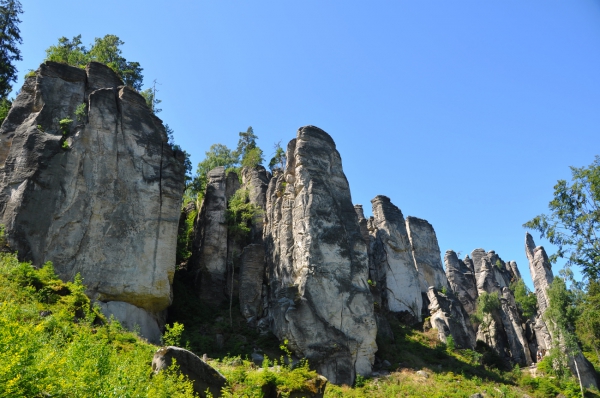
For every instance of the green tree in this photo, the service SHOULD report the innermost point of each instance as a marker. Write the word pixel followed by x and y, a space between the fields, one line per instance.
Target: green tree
pixel 525 299
pixel 247 150
pixel 561 316
pixel 588 323
pixel 486 304
pixel 217 155
pixel 5 105
pixel 149 95
pixel 10 36
pixel 574 218
pixel 106 50
pixel 278 159
pixel 70 52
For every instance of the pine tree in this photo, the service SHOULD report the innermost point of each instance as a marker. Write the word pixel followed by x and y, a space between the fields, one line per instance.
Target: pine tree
pixel 9 38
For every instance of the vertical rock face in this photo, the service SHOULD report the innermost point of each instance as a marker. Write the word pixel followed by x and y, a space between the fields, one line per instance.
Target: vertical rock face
pixel 426 253
pixel 450 319
pixel 462 281
pixel 256 181
pixel 252 269
pixel 319 299
pixel 209 249
pixel 542 276
pixel 392 257
pixel 107 206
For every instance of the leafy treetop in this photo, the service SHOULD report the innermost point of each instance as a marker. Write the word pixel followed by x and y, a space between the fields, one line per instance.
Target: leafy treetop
pixel 574 220
pixel 106 50
pixel 10 36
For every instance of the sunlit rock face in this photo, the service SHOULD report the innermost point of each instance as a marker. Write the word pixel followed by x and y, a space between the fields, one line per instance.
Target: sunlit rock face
pixel 392 258
pixel 99 196
pixel 542 276
pixel 426 254
pixel 319 299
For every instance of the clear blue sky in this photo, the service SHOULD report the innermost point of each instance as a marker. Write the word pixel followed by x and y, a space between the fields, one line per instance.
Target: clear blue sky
pixel 464 113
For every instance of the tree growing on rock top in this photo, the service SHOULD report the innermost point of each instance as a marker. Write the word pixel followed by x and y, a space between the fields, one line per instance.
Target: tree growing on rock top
pixel 10 36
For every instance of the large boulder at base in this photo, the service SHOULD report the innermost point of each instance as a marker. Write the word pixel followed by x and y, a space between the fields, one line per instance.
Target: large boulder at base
pixel 202 375
pixel 426 253
pixel 100 196
pixel 391 255
pixel 319 299
pixel 134 319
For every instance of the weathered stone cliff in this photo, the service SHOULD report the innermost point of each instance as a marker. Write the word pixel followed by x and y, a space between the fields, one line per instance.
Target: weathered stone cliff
pixel 462 280
pixel 450 318
pixel 426 254
pixel 392 259
pixel 542 276
pixel 99 196
pixel 319 299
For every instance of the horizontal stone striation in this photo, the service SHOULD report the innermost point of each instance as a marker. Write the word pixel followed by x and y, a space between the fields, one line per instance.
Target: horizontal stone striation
pixel 319 299
pixel 108 206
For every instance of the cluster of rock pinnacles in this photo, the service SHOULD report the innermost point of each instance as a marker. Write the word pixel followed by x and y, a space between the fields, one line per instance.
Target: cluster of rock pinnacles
pixel 316 273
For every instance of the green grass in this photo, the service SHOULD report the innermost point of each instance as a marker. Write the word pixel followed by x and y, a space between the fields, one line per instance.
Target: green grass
pixel 54 343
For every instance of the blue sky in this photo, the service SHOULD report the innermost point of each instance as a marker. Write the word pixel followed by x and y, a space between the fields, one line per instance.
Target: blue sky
pixel 464 113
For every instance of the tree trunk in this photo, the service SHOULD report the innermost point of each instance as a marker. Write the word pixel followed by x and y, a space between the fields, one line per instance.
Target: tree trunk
pixel 579 377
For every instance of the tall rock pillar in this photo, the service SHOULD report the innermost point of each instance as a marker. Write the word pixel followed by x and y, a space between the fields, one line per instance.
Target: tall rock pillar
pixel 319 299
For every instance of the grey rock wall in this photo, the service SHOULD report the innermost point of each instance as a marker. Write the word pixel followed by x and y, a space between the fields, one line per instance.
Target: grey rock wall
pixel 450 319
pixel 462 281
pixel 426 254
pixel 319 299
pixel 108 206
pixel 391 256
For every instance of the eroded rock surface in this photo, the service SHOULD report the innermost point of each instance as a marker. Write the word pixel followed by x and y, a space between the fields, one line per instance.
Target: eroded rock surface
pixel 319 299
pixel 450 319
pixel 252 270
pixel 426 254
pixel 462 281
pixel 391 256
pixel 99 197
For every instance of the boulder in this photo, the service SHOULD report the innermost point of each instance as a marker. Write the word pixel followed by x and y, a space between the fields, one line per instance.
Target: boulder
pixel 202 375
pixel 391 255
pixel 99 196
pixel 319 299
pixel 426 253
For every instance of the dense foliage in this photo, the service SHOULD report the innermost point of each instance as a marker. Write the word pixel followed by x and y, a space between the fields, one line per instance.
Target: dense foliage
pixel 10 37
pixel 106 50
pixel 526 300
pixel 574 220
pixel 53 342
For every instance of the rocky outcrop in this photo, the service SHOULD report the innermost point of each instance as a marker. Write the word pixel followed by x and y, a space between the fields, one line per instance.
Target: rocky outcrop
pixel 462 280
pixel 542 276
pixel 426 254
pixel 319 299
pixel 252 270
pixel 133 318
pixel 391 256
pixel 256 181
pixel 210 248
pixel 99 196
pixel 516 338
pixel 450 319
pixel 202 375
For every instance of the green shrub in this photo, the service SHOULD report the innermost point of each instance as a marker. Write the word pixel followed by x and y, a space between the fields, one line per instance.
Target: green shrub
pixel 80 113
pixel 172 335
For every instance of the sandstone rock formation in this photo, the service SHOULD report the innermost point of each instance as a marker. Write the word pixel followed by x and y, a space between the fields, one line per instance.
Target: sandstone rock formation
pixel 391 256
pixel 99 196
pixel 319 299
pixel 450 319
pixel 542 276
pixel 426 254
pixel 132 318
pixel 256 181
pixel 210 246
pixel 462 280
pixel 203 376
pixel 252 271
